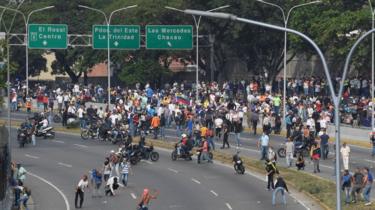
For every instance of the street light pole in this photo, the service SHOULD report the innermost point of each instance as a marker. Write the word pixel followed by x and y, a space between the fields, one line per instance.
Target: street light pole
pixel 108 22
pixel 26 21
pixel 336 98
pixel 197 24
pixel 286 20
pixel 372 66
pixel 27 44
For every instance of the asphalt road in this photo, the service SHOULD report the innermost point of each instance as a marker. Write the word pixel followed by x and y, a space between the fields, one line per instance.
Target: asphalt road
pixel 360 156
pixel 182 184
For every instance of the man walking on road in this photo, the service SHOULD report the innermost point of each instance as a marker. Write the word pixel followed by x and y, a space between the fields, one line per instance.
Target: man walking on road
pixel 324 139
pixel 289 149
pixel 345 151
pixel 83 183
pixel 368 180
pixel 263 145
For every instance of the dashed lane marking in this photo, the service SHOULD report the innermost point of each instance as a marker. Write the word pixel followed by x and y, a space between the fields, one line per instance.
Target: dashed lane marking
pixel 64 164
pixel 213 192
pixel 133 196
pixel 147 161
pixel 31 156
pixel 80 145
pixel 173 170
pixel 58 141
pixel 196 181
pixel 229 206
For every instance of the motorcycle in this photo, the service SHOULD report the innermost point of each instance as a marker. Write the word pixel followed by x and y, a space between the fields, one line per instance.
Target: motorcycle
pixel 183 154
pixel 57 118
pixel 122 136
pixel 300 147
pixel 45 132
pixel 23 137
pixel 89 132
pixel 149 153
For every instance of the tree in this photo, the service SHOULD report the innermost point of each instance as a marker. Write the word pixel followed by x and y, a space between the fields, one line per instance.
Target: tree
pixel 142 71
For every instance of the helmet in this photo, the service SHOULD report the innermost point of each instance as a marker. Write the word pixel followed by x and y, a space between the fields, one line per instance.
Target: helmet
pixel 183 135
pixel 112 151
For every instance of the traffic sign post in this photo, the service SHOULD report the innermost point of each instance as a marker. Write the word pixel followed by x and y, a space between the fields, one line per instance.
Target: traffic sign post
pixel 172 37
pixel 120 36
pixel 47 36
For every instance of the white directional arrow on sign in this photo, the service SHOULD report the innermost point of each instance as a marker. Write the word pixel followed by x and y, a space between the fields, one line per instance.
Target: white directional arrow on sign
pixel 45 43
pixel 116 43
pixel 169 44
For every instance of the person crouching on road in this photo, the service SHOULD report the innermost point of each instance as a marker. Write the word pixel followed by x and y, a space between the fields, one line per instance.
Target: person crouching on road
pixel 280 186
pixel 83 183
pixel 112 185
pixel 271 171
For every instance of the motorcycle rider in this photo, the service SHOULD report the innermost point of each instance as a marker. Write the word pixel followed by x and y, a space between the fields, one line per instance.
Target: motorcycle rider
pixel 182 145
pixel 44 123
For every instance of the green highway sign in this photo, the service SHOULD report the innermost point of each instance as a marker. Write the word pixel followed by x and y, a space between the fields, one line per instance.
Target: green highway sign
pixel 120 37
pixel 48 36
pixel 173 37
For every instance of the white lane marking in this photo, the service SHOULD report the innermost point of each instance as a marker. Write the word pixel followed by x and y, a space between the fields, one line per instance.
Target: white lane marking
pixel 64 164
pixel 31 156
pixel 327 166
pixel 173 170
pixel 229 206
pixel 80 145
pixel 213 192
pixel 147 161
pixel 196 181
pixel 54 187
pixel 371 161
pixel 360 147
pixel 58 141
pixel 133 196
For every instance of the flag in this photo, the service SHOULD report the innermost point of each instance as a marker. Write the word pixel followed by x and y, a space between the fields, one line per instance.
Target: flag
pixel 182 100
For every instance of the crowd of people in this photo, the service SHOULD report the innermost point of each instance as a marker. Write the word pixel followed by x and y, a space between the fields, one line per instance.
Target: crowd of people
pixel 218 111
pixel 21 192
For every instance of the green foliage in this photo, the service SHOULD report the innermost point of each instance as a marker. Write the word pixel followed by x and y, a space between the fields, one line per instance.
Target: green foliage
pixel 142 71
pixel 261 49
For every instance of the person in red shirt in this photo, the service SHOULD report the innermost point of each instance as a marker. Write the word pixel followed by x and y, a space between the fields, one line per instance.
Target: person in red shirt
pixel 204 151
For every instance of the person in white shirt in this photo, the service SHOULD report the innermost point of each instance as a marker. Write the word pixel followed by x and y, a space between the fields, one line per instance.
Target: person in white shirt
pixel 44 123
pixel 289 150
pixel 112 185
pixel 218 126
pixel 80 113
pixel 60 101
pixel 345 152
pixel 83 183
